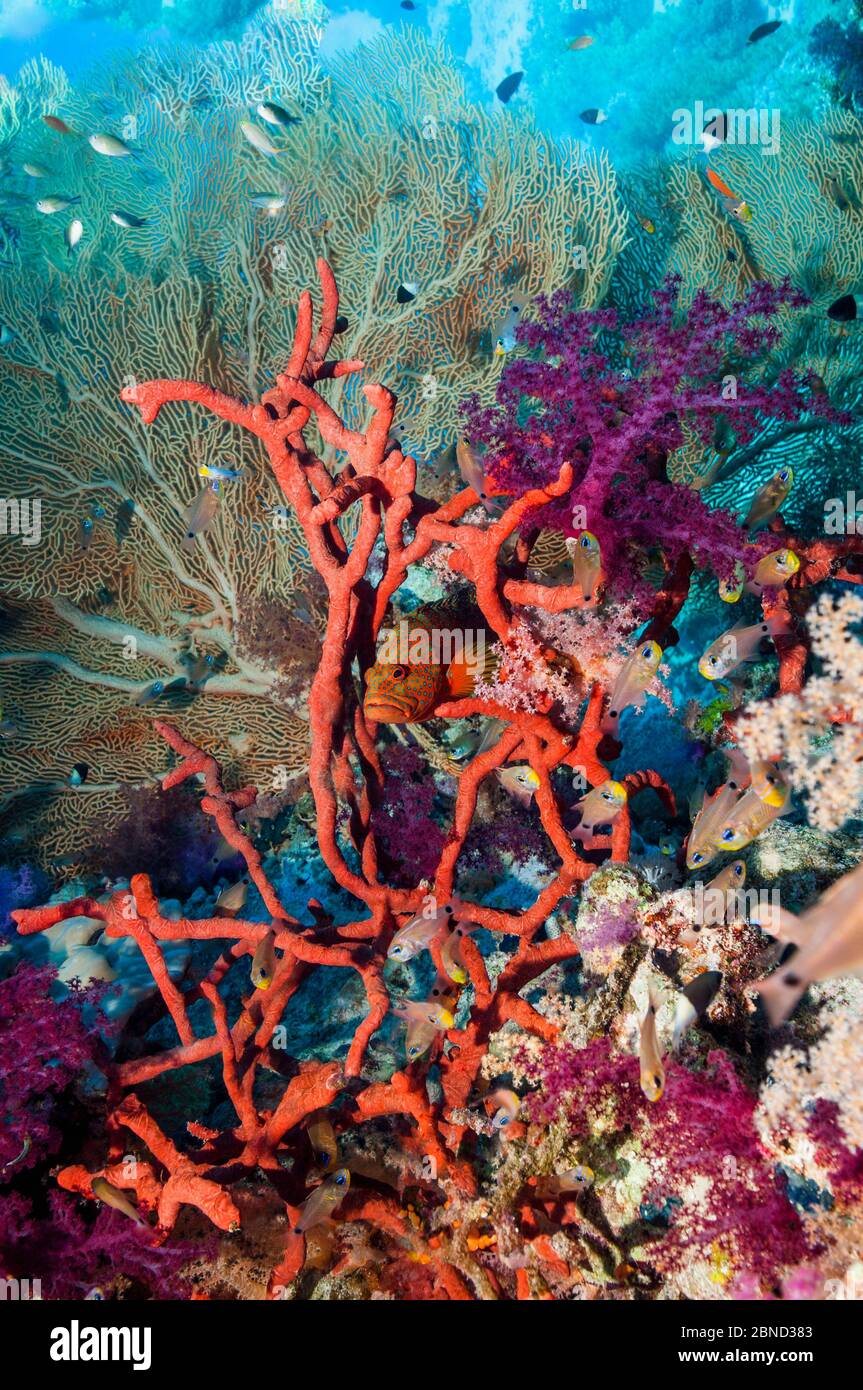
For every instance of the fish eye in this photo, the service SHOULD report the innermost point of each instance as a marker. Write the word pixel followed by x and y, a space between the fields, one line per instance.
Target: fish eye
pixel 727 834
pixel 585 543
pixel 647 653
pixel 399 673
pixel 340 1179
pixel 697 858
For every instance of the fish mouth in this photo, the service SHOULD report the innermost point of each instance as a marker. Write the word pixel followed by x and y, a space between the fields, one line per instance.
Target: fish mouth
pixel 386 710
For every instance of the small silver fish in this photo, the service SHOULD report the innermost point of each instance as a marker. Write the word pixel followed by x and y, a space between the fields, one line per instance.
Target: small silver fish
pixel 276 115
pixel 109 145
pixel 652 1070
pixel 633 679
pixel 270 202
pixel 55 203
pixel 417 934
pixel 36 171
pixel 73 234
pixel 127 219
pixel 258 138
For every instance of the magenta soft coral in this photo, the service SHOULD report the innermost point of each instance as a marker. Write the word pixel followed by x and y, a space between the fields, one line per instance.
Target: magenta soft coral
pixel 573 401
pixel 703 1128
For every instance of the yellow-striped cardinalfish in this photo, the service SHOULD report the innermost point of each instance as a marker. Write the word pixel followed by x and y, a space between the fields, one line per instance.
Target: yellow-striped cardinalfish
pixel 693 1002
pixel 323 1201
pixel 520 781
pixel 429 1011
pixel 740 644
pixel 650 1056
pixel 768 499
pixel 834 946
pixel 633 679
pixel 199 516
pixel 599 808
pixel 264 962
pixel 471 469
pixel 419 1038
pixel 577 1179
pixel 731 589
pixel 507 1105
pixel 231 900
pixel 586 556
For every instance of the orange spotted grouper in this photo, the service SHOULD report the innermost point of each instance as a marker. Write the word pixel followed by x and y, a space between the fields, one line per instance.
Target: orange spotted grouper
pixel 439 652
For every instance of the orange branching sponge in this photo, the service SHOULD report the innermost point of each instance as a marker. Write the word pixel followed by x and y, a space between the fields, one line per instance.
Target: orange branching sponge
pixel 345 774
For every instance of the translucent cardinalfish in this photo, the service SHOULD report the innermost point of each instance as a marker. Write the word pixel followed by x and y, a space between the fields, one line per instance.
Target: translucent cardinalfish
pixel 520 781
pixel 506 1107
pixel 430 1011
pixel 632 681
pixel 586 555
pixel 113 1197
pixel 451 953
pixel 650 1056
pixel 259 138
pixel 199 516
pixel 109 145
pixel 577 1179
pixel 769 498
pixel 231 900
pixel 599 807
pixel 418 934
pixel 322 1138
pixel 776 569
pixel 739 644
pixel 834 946
pixel 323 1201
pixel 712 816
pixel 471 469
pixel 264 962
pixel 438 666
pixel 693 1001
pixel 753 813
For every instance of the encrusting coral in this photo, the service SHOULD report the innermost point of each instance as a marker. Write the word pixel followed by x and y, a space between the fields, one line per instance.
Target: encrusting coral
pixel 594 436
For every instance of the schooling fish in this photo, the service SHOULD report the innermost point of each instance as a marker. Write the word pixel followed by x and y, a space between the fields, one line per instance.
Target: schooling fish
pixel 150 692
pixel 632 681
pixel 231 900
pixel 60 126
pixel 693 1002
pixel 407 291
pixel 472 472
pixel 731 589
pixel 199 516
pixel 270 202
pixel 127 219
pixel 259 138
pixel 451 952
pixel 577 45
pixel 419 1038
pixel 112 1197
pixel 431 1011
pixel 36 171
pixel 776 569
pixel 768 499
pixel 200 668
pixel 73 234
pixel 109 145
pixel 843 309
pixel 507 1105
pixel 322 1138
pixel 594 115
pixel 834 946
pixel 586 555
pixel 752 815
pixel 763 30
pixel 264 962
pixel 576 1179
pixel 504 328
pixel 520 781
pixel 56 203
pixel 646 224
pixel 324 1200
pixel 78 776
pixel 599 807
pixel 276 115
pixel 738 645
pixel 417 935
pixel 710 820
pixel 85 533
pixel 409 692
pixel 509 86
pixel 650 1056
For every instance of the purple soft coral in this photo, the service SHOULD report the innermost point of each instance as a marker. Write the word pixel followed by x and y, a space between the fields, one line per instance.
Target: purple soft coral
pixel 568 401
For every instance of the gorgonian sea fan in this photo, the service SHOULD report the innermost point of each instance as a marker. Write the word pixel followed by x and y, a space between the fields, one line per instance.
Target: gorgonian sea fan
pixel 571 399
